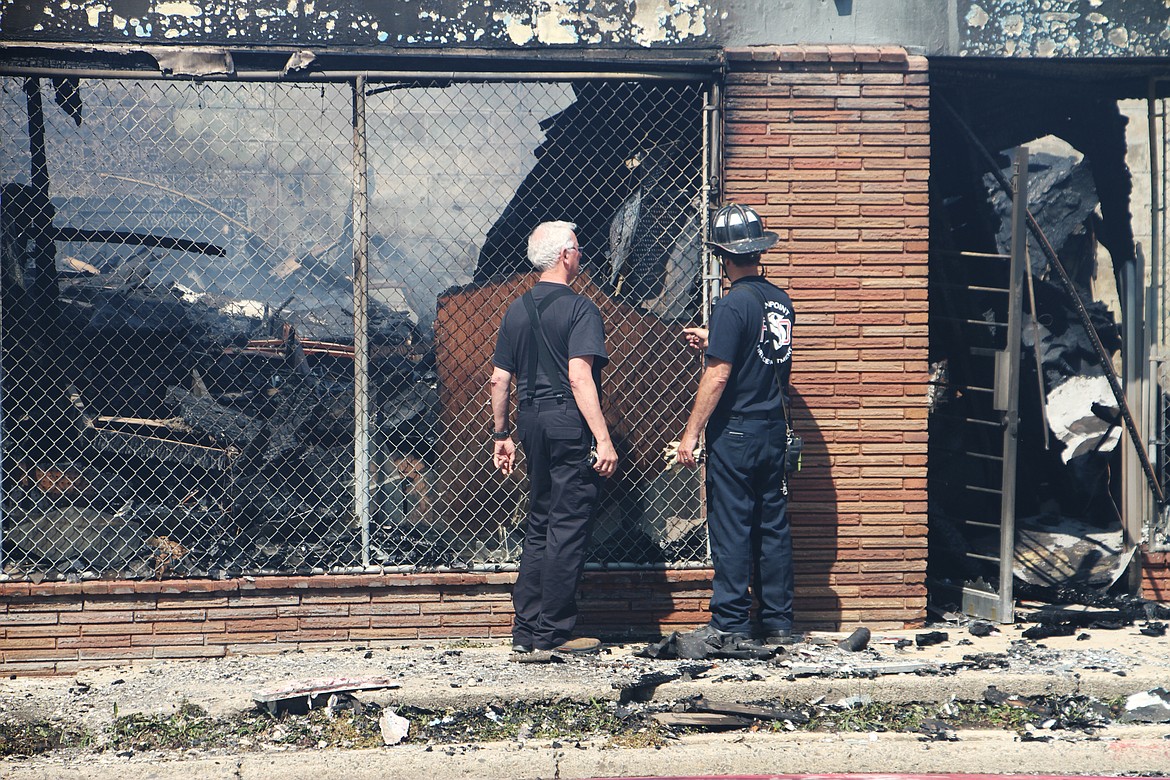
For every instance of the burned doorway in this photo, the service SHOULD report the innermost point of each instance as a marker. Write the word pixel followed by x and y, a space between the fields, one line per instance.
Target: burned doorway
pixel 247 325
pixel 1087 487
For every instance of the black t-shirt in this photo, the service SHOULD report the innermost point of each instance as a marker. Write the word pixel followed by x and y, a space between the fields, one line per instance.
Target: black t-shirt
pixel 572 324
pixel 740 335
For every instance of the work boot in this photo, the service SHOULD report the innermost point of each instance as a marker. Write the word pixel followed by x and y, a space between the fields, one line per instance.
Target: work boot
pixel 780 636
pixel 582 645
pixel 520 647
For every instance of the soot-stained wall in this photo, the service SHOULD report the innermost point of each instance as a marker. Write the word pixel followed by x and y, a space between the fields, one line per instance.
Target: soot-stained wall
pixel 976 28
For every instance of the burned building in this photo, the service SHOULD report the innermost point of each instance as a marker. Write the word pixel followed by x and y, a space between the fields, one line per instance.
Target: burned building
pixel 252 264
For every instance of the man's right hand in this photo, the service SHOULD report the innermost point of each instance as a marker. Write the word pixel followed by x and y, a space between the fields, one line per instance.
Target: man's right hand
pixel 696 337
pixel 607 459
pixel 504 456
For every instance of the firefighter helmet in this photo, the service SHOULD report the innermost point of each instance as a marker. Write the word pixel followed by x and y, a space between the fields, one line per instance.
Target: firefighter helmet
pixel 738 230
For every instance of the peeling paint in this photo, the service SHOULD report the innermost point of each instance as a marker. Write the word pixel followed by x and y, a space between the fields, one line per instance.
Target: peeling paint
pixel 977 17
pixel 518 31
pixel 505 23
pixel 985 28
pixel 178 9
pixel 1064 28
pixel 551 27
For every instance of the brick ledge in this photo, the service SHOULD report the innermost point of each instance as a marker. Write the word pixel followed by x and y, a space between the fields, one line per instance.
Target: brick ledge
pixel 326 581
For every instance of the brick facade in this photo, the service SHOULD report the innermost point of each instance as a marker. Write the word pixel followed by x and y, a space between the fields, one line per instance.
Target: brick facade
pixel 1156 576
pixel 58 628
pixel 831 145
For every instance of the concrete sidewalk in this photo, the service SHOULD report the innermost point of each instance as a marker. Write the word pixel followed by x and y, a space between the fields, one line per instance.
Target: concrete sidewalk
pixel 1106 665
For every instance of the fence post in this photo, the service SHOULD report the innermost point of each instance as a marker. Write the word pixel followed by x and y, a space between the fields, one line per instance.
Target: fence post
pixel 361 292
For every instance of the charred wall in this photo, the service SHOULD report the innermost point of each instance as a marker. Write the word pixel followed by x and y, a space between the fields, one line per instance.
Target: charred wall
pixel 1070 433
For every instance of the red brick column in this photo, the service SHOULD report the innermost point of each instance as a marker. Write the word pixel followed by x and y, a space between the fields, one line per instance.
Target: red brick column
pixel 831 145
pixel 1155 575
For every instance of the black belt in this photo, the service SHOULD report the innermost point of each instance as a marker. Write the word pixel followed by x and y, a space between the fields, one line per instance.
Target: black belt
pixel 774 415
pixel 548 403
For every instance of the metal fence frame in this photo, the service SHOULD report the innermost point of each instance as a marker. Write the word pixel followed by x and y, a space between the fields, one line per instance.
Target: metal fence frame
pixel 362 84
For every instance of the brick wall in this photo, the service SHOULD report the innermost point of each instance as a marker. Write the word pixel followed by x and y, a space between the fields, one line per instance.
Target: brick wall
pixel 1156 575
pixel 831 145
pixel 61 627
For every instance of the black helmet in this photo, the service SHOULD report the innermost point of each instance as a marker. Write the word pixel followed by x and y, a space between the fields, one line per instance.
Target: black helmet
pixel 738 230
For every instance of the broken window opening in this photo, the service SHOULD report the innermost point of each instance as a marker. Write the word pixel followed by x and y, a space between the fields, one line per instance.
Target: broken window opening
pixel 178 337
pixel 1075 507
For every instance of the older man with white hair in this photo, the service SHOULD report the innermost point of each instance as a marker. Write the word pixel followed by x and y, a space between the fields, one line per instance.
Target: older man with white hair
pixel 553 342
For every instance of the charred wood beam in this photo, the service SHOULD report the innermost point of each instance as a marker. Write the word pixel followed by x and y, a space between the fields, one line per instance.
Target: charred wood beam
pixel 131 238
pixel 45 286
pixel 1078 304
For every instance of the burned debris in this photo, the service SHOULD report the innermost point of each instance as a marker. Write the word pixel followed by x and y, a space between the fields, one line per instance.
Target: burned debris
pixel 1059 480
pixel 632 215
pixel 180 362
pixel 153 430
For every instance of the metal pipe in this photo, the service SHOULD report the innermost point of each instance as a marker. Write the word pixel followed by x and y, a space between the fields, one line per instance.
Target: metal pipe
pixel 344 76
pixel 361 302
pixel 131 238
pixel 1011 417
pixel 407 569
pixel 711 186
pixel 1036 352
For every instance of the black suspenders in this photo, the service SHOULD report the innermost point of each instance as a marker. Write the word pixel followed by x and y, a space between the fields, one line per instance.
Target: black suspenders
pixel 539 353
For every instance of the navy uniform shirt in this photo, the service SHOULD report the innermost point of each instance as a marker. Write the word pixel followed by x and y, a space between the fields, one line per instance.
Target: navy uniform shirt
pixel 740 334
pixel 572 324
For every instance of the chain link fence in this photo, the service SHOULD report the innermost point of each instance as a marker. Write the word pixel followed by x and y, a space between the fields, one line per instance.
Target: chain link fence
pixel 183 392
pixel 1159 536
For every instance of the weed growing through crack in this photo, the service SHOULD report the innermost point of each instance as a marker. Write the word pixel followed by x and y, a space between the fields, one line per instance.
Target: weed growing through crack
pixel 189 727
pixel 31 737
pixel 553 720
pixel 356 725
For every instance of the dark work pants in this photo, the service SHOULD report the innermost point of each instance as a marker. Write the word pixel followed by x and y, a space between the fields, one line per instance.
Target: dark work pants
pixel 747 519
pixel 563 491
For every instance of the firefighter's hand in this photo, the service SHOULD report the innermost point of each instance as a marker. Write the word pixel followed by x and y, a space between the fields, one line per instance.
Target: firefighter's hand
pixel 607 459
pixel 696 337
pixel 688 446
pixel 504 455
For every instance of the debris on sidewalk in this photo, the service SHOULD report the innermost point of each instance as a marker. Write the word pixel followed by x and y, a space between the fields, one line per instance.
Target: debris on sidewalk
pixel 1148 707
pixel 931 638
pixel 393 727
pixel 705 642
pixel 705 720
pixel 856 641
pixel 302 696
pixel 703 704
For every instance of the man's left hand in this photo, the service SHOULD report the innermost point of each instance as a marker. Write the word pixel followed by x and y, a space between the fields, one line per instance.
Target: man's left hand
pixel 607 459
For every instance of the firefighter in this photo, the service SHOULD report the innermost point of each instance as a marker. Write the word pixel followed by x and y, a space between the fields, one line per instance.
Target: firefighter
pixel 741 403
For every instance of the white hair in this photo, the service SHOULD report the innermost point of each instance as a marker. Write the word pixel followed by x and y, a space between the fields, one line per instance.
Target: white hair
pixel 547 241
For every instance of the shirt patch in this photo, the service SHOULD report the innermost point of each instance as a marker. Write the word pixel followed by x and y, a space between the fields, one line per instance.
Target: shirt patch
pixel 775 342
